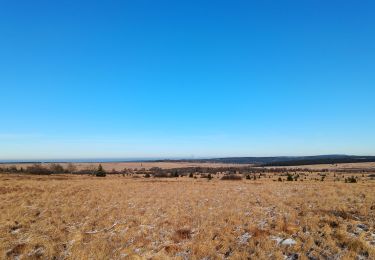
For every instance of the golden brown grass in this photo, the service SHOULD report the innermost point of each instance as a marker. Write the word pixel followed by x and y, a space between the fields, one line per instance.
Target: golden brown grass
pixel 84 217
pixel 365 165
pixel 131 165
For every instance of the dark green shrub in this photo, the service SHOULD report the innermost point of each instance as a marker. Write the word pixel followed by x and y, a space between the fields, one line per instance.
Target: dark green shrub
pixel 100 172
pixel 350 180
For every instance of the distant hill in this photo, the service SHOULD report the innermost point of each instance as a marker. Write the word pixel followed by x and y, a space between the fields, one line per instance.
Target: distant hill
pixel 257 161
pixel 285 160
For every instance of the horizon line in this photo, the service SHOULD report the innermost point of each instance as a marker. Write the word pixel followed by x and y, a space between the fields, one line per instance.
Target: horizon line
pixel 151 159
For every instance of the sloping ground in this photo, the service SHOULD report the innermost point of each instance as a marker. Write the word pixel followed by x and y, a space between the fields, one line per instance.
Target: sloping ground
pixel 82 217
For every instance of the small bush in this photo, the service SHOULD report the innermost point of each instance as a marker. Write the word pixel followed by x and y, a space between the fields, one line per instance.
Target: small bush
pixel 38 169
pixel 100 172
pixel 231 177
pixel 163 175
pixel 70 168
pixel 350 180
pixel 290 177
pixel 56 168
pixel 147 175
pixel 12 169
pixel 248 177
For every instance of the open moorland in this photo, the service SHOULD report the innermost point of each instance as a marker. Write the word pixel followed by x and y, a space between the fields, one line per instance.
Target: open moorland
pixel 118 166
pixel 222 212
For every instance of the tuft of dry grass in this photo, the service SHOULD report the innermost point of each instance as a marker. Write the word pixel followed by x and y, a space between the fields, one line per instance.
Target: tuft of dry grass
pixel 182 234
pixel 84 217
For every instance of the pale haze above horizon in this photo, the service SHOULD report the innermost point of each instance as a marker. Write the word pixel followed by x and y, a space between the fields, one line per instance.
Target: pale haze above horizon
pixel 186 79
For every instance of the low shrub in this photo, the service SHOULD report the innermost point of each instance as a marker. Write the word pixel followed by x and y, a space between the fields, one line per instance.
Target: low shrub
pixel 38 169
pixel 350 180
pixel 100 172
pixel 231 177
pixel 162 175
pixel 56 168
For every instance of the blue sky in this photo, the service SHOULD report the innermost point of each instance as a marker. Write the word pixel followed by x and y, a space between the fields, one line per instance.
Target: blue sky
pixel 89 79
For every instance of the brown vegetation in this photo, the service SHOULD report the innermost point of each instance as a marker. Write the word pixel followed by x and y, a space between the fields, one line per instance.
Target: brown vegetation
pixel 65 216
pixel 231 177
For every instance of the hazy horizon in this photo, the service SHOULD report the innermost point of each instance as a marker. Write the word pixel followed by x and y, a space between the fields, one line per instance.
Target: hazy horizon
pixel 167 79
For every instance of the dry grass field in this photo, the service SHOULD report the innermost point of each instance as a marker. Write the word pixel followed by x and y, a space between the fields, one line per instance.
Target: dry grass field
pixel 170 165
pixel 132 165
pixel 362 165
pixel 116 217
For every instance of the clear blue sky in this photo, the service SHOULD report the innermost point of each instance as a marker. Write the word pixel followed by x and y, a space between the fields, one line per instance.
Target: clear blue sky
pixel 84 79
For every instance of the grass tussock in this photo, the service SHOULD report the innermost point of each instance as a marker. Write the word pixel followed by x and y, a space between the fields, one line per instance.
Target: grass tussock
pixel 182 234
